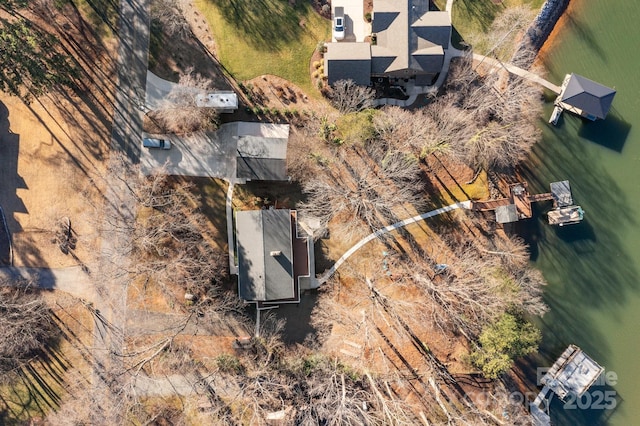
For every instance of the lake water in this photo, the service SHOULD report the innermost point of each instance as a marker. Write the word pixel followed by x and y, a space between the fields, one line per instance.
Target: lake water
pixel 593 269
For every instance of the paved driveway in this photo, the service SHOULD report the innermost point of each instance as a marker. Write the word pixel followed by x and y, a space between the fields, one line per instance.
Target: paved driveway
pixel 357 28
pixel 211 154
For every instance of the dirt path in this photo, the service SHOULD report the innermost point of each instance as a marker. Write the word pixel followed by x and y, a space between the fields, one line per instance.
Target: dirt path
pixel 74 280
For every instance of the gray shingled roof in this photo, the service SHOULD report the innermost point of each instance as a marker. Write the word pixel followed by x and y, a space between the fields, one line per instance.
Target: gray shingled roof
pixel 406 30
pixel 265 255
pixel 409 42
pixel 261 150
pixel 589 96
pixel 348 61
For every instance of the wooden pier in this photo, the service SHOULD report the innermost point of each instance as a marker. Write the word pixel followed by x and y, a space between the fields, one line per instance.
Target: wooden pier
pixel 518 205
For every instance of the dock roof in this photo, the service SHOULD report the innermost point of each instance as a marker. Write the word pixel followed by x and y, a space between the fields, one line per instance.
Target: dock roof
pixel 573 373
pixel 591 97
pixel 506 214
pixel 561 192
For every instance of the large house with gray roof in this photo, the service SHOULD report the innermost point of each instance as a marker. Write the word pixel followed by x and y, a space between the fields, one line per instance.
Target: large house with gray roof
pixel 275 261
pixel 408 41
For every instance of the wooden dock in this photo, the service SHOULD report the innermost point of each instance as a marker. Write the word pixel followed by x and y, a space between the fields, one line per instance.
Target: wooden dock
pixel 518 205
pixel 515 207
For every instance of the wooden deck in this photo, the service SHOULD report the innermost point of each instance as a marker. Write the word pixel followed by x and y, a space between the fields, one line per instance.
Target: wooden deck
pixel 518 196
pixel 534 198
pixel 488 205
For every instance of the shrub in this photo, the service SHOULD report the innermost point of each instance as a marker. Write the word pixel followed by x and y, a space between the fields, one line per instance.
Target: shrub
pixel 321 47
pixel 503 341
pixel 367 16
pixel 229 364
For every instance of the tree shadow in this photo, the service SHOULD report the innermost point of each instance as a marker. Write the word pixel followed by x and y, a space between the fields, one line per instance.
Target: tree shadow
pixel 11 180
pixel 484 12
pixel 266 24
pixel 587 266
pixel 35 386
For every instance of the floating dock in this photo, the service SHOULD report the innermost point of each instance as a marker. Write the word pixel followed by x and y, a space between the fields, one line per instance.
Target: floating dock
pixel 573 373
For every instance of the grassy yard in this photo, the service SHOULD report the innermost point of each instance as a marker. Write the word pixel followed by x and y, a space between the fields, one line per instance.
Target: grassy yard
pixel 472 18
pixel 266 37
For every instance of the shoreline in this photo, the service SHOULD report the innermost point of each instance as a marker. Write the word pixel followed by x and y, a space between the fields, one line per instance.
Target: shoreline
pixel 554 35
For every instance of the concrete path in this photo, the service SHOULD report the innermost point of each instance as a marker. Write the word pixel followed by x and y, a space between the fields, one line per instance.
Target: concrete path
pixel 494 63
pixel 386 230
pixel 233 268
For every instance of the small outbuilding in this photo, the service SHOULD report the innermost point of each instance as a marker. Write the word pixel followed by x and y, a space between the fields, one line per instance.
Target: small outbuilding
pixel 261 151
pixel 585 97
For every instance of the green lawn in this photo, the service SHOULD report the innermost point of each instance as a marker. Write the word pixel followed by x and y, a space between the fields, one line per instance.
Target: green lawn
pixel 255 37
pixel 472 18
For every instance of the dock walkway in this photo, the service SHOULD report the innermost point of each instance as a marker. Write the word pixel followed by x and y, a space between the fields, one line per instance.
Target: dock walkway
pixel 494 63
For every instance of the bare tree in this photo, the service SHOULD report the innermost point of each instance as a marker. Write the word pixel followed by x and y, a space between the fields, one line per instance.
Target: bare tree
pixel 348 97
pixel 366 187
pixel 179 112
pixel 172 242
pixel 475 287
pixel 491 118
pixel 26 323
pixel 506 29
pixel 170 16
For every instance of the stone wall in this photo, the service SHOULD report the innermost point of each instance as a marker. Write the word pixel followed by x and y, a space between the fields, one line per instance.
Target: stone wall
pixel 538 32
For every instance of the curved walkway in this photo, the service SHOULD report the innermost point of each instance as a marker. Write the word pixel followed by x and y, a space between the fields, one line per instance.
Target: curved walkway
pixel 494 63
pixel 386 230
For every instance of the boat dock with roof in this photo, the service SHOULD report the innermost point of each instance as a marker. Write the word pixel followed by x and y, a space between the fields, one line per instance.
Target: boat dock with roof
pixel 582 97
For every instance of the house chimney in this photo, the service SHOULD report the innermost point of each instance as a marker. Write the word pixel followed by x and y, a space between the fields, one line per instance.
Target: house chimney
pixel 276 253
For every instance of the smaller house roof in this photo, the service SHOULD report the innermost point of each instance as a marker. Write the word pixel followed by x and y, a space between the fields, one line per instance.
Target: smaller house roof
pixel 261 151
pixel 591 97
